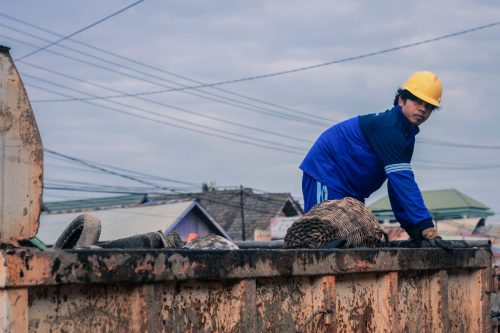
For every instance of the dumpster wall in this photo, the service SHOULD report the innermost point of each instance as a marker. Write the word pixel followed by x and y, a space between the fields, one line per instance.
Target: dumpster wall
pixel 360 290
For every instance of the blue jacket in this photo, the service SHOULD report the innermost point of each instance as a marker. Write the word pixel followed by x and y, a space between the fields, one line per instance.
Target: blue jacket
pixel 356 156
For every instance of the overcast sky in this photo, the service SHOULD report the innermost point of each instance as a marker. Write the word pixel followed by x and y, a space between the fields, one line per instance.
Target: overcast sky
pixel 255 132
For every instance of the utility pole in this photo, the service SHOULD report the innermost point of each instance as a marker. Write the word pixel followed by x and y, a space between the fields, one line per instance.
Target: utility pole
pixel 243 236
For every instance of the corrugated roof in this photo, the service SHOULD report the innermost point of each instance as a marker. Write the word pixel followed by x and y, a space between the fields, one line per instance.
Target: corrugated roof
pixel 436 200
pixel 93 203
pixel 123 222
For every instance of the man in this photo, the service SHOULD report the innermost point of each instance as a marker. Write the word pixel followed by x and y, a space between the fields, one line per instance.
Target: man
pixel 355 157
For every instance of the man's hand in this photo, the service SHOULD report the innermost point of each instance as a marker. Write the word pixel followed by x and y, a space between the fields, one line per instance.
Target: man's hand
pixel 431 233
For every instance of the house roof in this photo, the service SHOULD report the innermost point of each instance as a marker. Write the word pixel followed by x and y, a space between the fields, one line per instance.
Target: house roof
pixel 224 206
pixel 120 222
pixel 258 208
pixel 436 200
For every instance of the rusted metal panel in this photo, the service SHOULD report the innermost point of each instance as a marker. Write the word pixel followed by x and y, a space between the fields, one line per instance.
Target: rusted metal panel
pixel 186 306
pixel 21 158
pixel 465 302
pixel 367 303
pixel 98 308
pixel 211 306
pixel 14 310
pixel 366 290
pixel 305 304
pixel 26 267
pixel 424 293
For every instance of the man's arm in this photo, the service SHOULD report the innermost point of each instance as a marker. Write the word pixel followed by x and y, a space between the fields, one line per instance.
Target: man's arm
pixel 407 202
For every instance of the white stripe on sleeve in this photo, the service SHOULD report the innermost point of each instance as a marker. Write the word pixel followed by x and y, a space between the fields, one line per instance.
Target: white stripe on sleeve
pixel 397 167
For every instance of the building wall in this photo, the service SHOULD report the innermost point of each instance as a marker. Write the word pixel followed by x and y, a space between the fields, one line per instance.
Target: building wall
pixel 194 223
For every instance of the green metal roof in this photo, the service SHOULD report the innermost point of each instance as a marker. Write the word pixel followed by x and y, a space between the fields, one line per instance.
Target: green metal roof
pixel 94 203
pixel 436 200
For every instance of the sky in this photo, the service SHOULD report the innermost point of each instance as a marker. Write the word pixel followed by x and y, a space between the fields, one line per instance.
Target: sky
pixel 104 96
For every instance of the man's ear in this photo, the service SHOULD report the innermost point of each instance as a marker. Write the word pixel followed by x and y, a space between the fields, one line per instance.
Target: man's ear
pixel 400 101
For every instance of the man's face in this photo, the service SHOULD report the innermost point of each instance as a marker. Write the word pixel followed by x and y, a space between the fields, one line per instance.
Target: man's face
pixel 416 111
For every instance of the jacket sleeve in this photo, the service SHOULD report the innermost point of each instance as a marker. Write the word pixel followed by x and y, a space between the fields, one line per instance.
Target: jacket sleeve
pixel 405 197
pixel 406 200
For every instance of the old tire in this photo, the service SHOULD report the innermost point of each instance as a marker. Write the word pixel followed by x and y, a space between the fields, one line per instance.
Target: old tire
pixel 83 231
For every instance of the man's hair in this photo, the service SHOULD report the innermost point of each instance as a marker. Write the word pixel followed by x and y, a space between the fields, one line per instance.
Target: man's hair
pixel 404 94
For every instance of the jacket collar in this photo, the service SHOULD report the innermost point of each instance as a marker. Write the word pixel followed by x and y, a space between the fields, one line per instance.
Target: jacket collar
pixel 412 129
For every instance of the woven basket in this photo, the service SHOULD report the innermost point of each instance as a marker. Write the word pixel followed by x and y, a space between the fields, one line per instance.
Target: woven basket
pixel 346 219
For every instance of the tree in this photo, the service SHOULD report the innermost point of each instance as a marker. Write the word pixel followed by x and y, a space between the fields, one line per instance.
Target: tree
pixel 208 187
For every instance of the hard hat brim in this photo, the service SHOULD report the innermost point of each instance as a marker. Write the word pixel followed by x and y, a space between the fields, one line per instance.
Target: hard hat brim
pixel 422 96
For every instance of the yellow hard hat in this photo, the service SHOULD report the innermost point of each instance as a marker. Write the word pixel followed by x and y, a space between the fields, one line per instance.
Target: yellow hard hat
pixel 426 86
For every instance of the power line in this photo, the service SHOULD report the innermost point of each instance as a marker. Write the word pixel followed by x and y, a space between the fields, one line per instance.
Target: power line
pixel 105 188
pixel 265 111
pixel 295 151
pixel 299 69
pixel 137 173
pixel 166 116
pixel 158 69
pixel 454 165
pixel 450 144
pixel 91 187
pixel 449 168
pixel 169 106
pixel 67 188
pixel 422 140
pixel 93 166
pixel 225 100
pixel 300 151
pixel 68 168
pixel 78 31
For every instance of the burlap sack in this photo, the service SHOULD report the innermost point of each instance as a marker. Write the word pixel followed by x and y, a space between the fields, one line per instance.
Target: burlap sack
pixel 346 219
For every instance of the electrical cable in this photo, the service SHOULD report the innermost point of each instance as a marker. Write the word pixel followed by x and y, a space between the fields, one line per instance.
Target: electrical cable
pixel 175 125
pixel 157 69
pixel 365 55
pixel 92 165
pixel 79 31
pixel 450 144
pixel 421 140
pixel 172 107
pixel 313 120
pixel 169 117
pixel 137 173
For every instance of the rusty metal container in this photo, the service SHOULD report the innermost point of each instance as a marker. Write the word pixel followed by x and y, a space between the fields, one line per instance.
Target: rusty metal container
pixel 248 290
pixel 251 290
pixel 21 157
